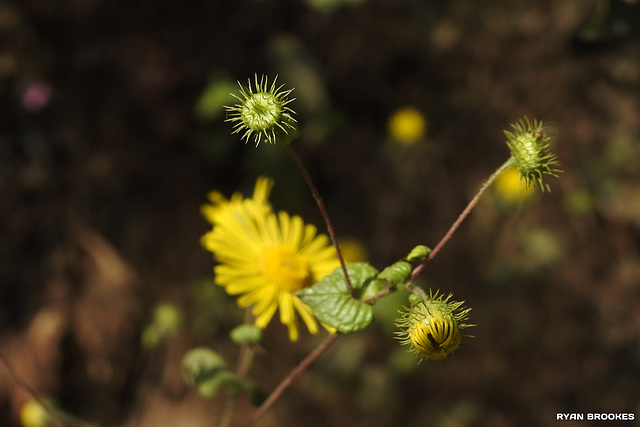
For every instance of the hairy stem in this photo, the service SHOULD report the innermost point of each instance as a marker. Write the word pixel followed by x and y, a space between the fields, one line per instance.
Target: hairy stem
pixel 461 218
pixel 413 288
pixel 323 210
pixel 293 375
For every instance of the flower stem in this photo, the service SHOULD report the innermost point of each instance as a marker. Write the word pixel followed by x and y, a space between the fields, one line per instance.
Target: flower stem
pixel 323 210
pixel 383 293
pixel 244 363
pixel 293 375
pixel 413 288
pixel 461 218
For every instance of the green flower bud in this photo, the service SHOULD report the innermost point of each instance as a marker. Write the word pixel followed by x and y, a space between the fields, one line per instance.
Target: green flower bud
pixel 418 253
pixel 432 327
pixel 529 146
pixel 263 113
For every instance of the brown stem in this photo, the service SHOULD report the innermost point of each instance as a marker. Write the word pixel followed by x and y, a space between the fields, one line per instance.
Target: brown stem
pixel 323 210
pixel 383 293
pixel 293 375
pixel 461 218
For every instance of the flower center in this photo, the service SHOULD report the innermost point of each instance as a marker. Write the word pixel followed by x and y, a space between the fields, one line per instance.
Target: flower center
pixel 261 111
pixel 285 268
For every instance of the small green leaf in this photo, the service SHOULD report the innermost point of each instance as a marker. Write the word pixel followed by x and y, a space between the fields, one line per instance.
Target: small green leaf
pixel 332 303
pixel 246 334
pixel 208 372
pixel 223 380
pixel 397 273
pixel 418 253
pixel 167 319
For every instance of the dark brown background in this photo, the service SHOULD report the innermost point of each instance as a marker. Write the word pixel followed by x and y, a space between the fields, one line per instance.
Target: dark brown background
pixel 100 194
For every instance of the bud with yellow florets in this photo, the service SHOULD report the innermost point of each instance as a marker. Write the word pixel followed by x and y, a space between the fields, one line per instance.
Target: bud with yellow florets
pixel 432 326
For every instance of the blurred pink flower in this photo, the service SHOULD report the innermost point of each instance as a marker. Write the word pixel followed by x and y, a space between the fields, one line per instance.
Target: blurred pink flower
pixel 36 96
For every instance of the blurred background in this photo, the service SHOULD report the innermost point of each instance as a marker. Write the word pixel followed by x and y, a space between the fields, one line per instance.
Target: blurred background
pixel 112 134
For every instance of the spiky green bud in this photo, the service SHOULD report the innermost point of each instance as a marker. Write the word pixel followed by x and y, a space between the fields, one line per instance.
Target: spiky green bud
pixel 262 113
pixel 529 145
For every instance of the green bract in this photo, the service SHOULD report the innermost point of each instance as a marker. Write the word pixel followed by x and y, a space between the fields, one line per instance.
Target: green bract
pixel 332 303
pixel 263 113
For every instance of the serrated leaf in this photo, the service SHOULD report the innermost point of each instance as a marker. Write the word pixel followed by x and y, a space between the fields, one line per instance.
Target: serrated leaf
pixel 332 303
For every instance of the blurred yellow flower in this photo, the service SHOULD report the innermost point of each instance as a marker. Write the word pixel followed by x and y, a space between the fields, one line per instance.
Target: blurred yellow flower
pixel 407 126
pixel 353 251
pixel 265 258
pixel 512 188
pixel 33 414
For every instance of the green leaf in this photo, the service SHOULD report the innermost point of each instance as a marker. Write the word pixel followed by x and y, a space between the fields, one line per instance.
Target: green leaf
pixel 208 372
pixel 418 253
pixel 246 334
pixel 167 319
pixel 397 273
pixel 332 303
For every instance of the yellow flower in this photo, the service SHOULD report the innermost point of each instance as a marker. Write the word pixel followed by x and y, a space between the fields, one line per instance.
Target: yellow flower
pixel 512 188
pixel 266 257
pixel 407 126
